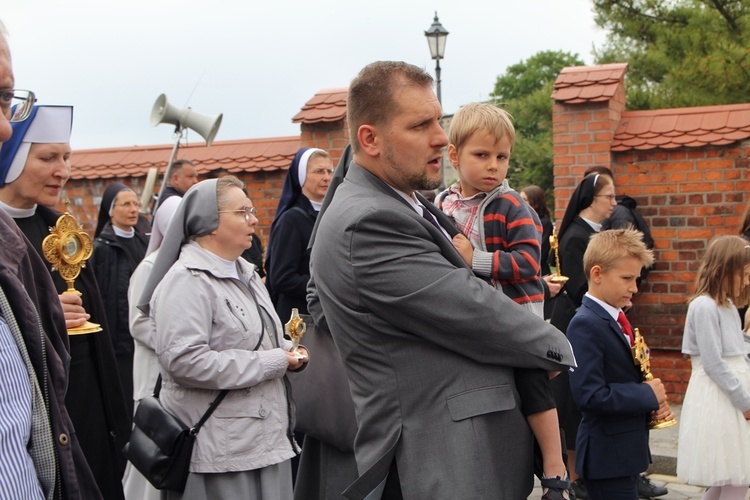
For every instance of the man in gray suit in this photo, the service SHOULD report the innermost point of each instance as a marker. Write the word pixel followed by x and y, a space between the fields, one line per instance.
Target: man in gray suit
pixel 429 348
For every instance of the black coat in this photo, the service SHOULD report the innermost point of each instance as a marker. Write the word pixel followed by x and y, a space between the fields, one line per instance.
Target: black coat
pixel 32 295
pixel 113 267
pixel 94 357
pixel 572 247
pixel 288 260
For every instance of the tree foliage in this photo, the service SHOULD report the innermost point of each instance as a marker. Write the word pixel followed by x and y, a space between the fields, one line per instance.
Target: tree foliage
pixel 679 52
pixel 524 90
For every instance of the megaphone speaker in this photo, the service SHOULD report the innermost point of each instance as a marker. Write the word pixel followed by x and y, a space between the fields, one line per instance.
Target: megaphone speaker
pixel 164 112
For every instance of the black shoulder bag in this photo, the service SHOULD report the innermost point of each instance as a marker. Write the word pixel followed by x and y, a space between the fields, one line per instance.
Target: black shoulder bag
pixel 160 445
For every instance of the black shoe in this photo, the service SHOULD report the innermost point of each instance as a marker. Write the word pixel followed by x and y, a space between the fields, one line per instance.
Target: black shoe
pixel 579 489
pixel 647 489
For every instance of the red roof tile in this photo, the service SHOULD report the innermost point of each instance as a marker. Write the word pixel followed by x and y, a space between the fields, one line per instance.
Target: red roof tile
pixel 682 127
pixel 579 84
pixel 250 155
pixel 328 105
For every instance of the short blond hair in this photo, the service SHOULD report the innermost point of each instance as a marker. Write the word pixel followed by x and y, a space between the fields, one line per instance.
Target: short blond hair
pixel 607 248
pixel 481 116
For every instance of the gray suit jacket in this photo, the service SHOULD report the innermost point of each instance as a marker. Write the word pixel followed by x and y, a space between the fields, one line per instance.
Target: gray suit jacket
pixel 429 350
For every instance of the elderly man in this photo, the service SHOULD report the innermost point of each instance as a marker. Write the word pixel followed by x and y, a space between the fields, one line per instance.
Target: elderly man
pixel 182 177
pixel 40 456
pixel 429 348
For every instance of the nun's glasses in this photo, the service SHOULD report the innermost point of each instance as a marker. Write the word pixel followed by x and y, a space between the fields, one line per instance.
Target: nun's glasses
pixel 249 212
pixel 18 102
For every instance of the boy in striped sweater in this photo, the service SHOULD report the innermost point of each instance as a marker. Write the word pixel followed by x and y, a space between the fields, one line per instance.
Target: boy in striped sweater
pixel 501 241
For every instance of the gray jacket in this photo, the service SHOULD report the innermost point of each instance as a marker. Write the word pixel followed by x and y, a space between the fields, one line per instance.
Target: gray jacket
pixel 207 325
pixel 429 349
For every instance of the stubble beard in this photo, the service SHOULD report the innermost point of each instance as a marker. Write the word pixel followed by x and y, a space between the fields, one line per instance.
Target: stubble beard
pixel 414 181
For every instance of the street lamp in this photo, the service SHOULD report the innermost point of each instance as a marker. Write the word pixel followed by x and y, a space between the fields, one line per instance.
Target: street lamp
pixel 436 37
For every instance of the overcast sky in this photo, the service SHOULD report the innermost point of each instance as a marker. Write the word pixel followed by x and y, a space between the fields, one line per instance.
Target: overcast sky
pixel 258 62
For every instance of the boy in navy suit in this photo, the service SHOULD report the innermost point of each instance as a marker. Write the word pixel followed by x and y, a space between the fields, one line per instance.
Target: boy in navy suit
pixel 608 386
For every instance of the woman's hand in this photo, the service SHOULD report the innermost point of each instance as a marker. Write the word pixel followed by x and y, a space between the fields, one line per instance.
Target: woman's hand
pixel 75 314
pixel 554 288
pixel 294 364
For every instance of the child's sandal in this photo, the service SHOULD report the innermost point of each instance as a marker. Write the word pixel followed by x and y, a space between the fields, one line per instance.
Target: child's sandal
pixel 557 488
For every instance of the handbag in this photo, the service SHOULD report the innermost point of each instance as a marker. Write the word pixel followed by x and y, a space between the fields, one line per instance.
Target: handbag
pixel 160 445
pixel 324 406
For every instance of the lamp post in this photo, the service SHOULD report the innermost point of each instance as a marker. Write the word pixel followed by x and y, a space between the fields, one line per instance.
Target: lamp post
pixel 436 37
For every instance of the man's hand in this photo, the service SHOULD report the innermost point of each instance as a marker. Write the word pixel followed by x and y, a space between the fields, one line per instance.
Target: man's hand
pixel 663 413
pixel 463 245
pixel 75 314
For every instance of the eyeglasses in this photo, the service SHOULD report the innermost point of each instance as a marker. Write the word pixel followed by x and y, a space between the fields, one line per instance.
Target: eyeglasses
pixel 17 103
pixel 611 197
pixel 249 212
pixel 129 204
pixel 322 171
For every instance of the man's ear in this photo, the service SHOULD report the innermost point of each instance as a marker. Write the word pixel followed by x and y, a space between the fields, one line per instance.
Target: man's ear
pixel 369 140
pixel 453 155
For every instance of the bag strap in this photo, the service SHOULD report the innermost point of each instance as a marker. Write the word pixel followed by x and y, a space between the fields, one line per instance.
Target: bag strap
pixel 216 402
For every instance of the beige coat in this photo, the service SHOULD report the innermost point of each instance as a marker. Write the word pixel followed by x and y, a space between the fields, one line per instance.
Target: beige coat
pixel 207 326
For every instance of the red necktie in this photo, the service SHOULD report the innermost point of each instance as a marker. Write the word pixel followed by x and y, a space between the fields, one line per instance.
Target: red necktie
pixel 625 325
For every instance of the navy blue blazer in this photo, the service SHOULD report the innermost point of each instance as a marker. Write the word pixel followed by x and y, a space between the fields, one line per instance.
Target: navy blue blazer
pixel 613 435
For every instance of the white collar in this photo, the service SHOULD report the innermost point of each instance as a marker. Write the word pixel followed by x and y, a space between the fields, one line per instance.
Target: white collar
pixel 612 311
pixel 18 213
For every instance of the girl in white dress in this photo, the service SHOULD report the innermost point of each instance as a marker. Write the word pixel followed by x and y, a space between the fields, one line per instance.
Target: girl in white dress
pixel 714 442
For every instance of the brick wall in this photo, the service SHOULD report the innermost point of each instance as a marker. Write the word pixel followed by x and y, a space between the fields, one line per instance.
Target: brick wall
pixel 264 187
pixel 687 195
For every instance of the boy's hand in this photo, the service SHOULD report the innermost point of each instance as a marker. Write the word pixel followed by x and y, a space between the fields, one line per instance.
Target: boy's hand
pixel 658 388
pixel 463 245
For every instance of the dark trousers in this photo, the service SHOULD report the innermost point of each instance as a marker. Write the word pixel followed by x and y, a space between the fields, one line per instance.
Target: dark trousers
pixel 616 488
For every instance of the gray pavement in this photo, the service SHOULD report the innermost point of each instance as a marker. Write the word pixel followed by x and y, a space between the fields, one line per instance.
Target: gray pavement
pixel 663 469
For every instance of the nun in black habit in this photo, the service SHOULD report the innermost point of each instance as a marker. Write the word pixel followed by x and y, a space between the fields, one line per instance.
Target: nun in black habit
pixel 34 167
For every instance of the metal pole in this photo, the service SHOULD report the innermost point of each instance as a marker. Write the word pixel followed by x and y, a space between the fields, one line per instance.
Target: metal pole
pixel 440 101
pixel 437 77
pixel 178 132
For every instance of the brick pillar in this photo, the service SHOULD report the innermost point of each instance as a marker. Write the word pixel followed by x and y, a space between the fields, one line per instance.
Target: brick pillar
pixel 331 136
pixel 582 138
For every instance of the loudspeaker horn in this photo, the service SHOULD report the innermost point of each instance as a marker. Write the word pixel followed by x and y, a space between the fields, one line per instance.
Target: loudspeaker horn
pixel 164 112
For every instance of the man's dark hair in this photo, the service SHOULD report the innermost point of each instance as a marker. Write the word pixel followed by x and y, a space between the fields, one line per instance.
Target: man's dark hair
pixel 371 101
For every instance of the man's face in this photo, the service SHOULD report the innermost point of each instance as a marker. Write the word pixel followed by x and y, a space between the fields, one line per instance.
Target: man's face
pixel 410 145
pixel 185 178
pixel 6 83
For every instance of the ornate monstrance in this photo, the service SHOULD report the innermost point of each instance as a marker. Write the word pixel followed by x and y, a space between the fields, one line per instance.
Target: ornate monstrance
pixel 642 358
pixel 296 328
pixel 67 248
pixel 555 244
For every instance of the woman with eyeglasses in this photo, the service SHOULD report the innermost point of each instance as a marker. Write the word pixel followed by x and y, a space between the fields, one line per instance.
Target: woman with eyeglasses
pixel 229 338
pixel 34 168
pixel 118 249
pixel 591 203
pixel 287 255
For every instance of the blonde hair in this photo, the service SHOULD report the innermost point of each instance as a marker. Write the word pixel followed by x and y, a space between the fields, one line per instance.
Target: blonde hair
pixel 606 248
pixel 725 259
pixel 481 116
